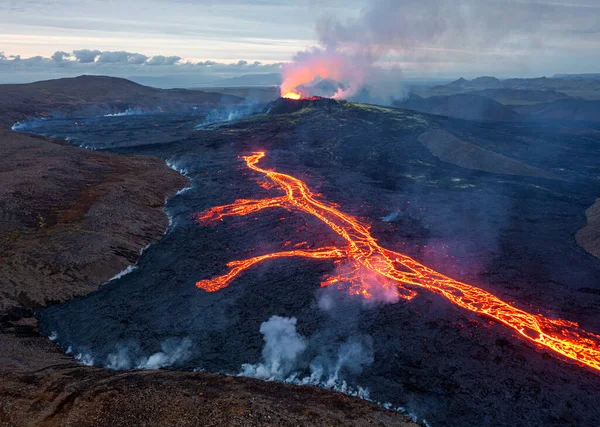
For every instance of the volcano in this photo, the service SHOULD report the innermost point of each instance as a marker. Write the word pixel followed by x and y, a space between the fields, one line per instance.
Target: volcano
pixel 437 254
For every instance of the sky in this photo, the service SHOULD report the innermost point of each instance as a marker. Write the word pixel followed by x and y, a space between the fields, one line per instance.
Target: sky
pixel 206 40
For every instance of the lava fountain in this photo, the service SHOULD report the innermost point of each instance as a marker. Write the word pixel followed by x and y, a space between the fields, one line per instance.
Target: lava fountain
pixel 291 95
pixel 362 259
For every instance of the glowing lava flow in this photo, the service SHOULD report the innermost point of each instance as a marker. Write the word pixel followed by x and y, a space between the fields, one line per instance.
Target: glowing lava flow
pixel 369 268
pixel 291 95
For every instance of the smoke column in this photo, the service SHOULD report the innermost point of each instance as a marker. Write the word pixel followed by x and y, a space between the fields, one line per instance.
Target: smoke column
pixel 355 52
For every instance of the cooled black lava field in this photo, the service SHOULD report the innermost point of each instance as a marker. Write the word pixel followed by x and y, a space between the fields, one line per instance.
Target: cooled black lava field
pixel 510 234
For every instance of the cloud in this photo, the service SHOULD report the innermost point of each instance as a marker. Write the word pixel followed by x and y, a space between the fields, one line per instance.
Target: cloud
pixel 60 56
pixel 86 56
pixel 121 57
pixel 158 70
pixel 163 60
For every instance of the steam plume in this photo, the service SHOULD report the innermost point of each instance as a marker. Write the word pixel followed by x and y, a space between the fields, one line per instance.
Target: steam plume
pixel 284 358
pixel 388 31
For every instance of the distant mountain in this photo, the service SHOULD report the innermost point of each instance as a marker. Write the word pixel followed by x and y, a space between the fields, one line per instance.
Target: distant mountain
pixel 173 81
pixel 583 86
pixel 577 76
pixel 564 109
pixel 461 106
pixel 271 79
pixel 520 96
pixel 462 84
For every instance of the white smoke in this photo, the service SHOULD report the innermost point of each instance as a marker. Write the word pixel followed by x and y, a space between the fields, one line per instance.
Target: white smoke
pixel 354 278
pixel 85 359
pixel 128 112
pixel 124 272
pixel 282 358
pixel 351 355
pixel 419 34
pixel 173 352
pixel 119 359
pixel 391 217
pixel 283 345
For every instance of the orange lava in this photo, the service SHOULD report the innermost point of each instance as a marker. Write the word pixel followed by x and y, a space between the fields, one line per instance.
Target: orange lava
pixel 291 95
pixel 364 268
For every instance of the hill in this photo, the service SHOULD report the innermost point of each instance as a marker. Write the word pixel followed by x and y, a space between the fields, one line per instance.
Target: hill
pixel 460 106
pixel 97 95
pixel 520 96
pixel 270 79
pixel 587 87
pixel 563 109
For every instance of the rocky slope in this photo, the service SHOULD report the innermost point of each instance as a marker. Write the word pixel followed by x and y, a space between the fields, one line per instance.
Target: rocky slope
pixel 449 148
pixel 73 218
pixel 589 236
pixel 460 106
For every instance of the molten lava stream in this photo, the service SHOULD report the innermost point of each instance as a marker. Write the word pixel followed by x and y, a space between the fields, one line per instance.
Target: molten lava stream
pixel 362 256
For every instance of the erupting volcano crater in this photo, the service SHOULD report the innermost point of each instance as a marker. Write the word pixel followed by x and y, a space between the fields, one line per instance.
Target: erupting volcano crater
pixel 286 105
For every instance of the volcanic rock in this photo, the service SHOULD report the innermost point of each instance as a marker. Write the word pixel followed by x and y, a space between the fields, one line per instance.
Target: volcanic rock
pixel 589 236
pixel 449 148
pixel 287 106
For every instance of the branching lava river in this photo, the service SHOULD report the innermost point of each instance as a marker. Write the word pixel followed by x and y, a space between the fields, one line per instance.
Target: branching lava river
pixel 366 269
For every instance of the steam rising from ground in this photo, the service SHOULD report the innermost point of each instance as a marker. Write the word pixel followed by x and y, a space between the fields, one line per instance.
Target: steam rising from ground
pixel 283 345
pixel 173 351
pixel 286 357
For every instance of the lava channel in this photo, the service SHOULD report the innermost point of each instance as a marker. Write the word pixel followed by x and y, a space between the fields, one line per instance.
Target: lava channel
pixel 368 268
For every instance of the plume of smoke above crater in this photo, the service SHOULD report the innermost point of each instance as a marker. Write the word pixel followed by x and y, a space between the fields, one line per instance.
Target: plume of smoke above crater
pixel 393 32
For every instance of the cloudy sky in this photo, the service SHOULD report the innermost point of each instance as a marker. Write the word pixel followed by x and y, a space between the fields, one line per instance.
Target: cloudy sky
pixel 215 39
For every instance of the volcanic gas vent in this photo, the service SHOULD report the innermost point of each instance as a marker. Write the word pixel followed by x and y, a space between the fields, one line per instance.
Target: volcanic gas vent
pixel 289 105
